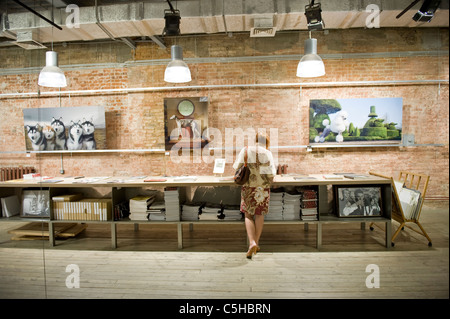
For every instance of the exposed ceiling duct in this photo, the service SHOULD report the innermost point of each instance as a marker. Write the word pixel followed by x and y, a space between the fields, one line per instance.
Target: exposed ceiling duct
pixel 28 41
pixel 128 21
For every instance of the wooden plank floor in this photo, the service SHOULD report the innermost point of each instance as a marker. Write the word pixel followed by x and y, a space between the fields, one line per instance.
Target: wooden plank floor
pixel 147 263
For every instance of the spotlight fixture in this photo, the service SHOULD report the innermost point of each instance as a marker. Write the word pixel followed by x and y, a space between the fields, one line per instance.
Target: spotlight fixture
pixel 51 75
pixel 311 64
pixel 314 16
pixel 172 17
pixel 177 70
pixel 426 11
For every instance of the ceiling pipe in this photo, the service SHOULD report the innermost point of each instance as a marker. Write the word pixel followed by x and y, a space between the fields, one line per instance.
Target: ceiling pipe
pixel 224 20
pixel 38 14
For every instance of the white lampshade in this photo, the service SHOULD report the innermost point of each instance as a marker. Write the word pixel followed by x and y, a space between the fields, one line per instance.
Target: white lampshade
pixel 51 75
pixel 311 64
pixel 177 70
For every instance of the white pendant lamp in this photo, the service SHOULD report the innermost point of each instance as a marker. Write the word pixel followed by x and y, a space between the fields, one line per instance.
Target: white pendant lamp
pixel 51 75
pixel 311 64
pixel 177 70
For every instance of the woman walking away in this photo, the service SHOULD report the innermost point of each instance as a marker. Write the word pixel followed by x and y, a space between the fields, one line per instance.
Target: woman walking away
pixel 255 194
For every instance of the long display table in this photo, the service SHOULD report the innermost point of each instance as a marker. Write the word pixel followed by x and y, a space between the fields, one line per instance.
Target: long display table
pixel 118 189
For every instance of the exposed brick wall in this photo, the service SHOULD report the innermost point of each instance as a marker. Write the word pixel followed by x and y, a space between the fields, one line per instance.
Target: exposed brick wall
pixel 136 120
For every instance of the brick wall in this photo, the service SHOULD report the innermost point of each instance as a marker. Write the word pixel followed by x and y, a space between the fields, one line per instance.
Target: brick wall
pixel 136 120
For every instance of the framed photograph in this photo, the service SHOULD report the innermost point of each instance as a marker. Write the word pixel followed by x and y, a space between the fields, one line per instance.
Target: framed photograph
pixel 357 201
pixel 364 121
pixel 185 122
pixel 65 128
pixel 36 203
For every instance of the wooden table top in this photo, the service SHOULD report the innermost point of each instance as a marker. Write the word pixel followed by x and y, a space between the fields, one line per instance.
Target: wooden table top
pixel 184 181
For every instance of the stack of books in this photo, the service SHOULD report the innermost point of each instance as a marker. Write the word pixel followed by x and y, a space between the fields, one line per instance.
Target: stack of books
pixel 209 213
pixel 291 206
pixel 275 206
pixel 157 211
pixel 72 207
pixel 172 202
pixel 139 206
pixel 190 212
pixel 309 205
pixel 231 213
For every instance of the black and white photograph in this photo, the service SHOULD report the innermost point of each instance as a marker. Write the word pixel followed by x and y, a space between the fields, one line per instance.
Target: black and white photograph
pixel 35 203
pixel 358 201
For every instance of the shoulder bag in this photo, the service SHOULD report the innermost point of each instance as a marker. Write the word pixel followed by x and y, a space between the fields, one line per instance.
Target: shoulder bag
pixel 242 174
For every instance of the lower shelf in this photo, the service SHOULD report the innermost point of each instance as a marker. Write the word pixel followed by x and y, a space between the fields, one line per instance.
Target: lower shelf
pixel 53 227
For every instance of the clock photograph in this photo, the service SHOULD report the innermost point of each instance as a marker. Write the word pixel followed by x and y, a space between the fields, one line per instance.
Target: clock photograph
pixel 185 120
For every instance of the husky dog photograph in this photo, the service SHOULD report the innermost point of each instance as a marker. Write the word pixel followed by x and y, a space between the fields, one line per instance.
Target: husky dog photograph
pixel 65 128
pixel 88 134
pixel 36 137
pixel 50 137
pixel 60 131
pixel 75 139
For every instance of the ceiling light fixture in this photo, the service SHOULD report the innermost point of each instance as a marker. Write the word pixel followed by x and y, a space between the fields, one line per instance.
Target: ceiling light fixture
pixel 311 64
pixel 51 75
pixel 177 70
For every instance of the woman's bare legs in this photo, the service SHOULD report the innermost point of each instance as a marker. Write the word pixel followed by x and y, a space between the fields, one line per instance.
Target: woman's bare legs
pixel 254 226
pixel 251 230
pixel 259 223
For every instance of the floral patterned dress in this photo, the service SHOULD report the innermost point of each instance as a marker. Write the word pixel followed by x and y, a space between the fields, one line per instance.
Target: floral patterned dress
pixel 255 194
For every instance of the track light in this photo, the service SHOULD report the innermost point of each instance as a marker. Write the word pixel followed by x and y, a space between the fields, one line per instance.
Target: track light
pixel 172 18
pixel 314 16
pixel 426 11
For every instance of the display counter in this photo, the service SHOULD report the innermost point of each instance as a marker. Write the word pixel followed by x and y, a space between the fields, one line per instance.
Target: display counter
pixel 117 188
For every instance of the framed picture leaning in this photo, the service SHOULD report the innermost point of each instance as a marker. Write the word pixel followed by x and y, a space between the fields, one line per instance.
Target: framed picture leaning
pixel 358 201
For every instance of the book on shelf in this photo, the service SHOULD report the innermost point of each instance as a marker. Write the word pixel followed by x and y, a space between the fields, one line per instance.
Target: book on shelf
pixel 333 176
pixel 67 197
pixel 172 203
pixel 155 180
pixel 98 209
pixel 356 176
pixel 190 212
pixel 141 203
pixel 10 206
pixel 139 206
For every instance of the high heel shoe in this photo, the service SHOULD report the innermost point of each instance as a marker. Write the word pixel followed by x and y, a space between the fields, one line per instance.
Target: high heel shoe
pixel 257 249
pixel 252 250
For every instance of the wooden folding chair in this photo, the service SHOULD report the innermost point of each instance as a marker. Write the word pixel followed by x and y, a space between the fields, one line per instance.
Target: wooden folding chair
pixel 414 181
